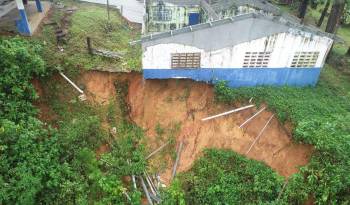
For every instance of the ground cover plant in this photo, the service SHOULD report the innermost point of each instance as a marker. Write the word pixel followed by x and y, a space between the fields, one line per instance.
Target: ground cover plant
pixel 40 164
pixel 321 117
pixel 225 177
pixel 90 20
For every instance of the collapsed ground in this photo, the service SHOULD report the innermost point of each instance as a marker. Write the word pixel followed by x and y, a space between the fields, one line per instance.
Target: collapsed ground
pixel 178 106
pixel 171 110
pixel 152 106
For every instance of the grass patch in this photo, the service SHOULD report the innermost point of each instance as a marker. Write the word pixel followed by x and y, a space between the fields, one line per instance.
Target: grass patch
pixel 321 116
pixel 91 21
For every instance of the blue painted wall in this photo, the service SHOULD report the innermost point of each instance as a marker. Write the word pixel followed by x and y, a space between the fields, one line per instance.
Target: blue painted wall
pixel 239 77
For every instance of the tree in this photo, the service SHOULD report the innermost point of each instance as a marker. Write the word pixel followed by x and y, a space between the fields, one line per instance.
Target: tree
pixel 324 12
pixel 302 9
pixel 335 15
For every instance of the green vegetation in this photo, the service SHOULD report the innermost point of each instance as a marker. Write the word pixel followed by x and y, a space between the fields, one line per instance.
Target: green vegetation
pixel 336 58
pixel 43 165
pixel 224 177
pixel 62 163
pixel 91 21
pixel 321 117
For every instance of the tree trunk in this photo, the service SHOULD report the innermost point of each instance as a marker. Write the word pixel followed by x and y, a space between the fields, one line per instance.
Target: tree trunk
pixel 348 52
pixel 324 12
pixel 303 8
pixel 335 15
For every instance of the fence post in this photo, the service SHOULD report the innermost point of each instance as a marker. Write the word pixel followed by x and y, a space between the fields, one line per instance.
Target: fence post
pixel 88 41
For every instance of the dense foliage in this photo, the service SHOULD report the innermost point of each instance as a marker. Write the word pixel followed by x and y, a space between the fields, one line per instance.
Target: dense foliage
pixel 19 62
pixel 28 156
pixel 44 165
pixel 224 177
pixel 321 116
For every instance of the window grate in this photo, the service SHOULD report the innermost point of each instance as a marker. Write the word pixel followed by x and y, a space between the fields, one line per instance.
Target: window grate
pixel 304 59
pixel 161 14
pixel 256 59
pixel 185 60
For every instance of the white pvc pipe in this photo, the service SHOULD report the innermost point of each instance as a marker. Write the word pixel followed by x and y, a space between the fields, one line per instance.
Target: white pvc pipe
pixel 252 117
pixel 178 155
pixel 256 139
pixel 229 112
pixel 71 82
pixel 157 150
pixel 146 191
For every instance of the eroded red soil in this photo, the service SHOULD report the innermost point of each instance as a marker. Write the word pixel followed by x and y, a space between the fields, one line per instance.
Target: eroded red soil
pixel 166 102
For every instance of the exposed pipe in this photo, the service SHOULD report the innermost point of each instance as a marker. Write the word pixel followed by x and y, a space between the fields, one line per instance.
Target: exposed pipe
pixel 252 117
pixel 259 135
pixel 73 84
pixel 228 112
pixel 157 150
pixel 146 191
pixel 177 159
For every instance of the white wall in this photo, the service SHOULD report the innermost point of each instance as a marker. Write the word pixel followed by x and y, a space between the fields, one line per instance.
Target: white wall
pixel 286 44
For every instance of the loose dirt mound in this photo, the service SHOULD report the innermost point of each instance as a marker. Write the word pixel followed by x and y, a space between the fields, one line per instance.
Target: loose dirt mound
pixel 166 102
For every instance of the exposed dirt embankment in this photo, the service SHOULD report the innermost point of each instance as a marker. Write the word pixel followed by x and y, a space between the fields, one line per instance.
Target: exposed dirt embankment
pixel 165 102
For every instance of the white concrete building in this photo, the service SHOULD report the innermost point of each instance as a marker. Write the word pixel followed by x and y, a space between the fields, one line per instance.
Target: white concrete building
pixel 245 50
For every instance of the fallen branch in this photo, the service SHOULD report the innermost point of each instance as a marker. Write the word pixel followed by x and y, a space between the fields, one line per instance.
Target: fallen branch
pixel 259 135
pixel 252 117
pixel 157 150
pixel 106 53
pixel 102 52
pixel 178 154
pixel 229 112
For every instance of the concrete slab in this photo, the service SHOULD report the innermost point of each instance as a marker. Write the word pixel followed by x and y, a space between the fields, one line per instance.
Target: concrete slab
pixel 133 10
pixel 8 21
pixel 35 17
pixel 6 6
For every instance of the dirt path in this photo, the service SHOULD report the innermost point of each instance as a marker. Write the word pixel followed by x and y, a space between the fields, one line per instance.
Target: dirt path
pixel 166 102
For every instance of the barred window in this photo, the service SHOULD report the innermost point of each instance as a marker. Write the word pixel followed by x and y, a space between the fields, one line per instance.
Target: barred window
pixel 185 60
pixel 304 59
pixel 271 42
pixel 161 14
pixel 256 59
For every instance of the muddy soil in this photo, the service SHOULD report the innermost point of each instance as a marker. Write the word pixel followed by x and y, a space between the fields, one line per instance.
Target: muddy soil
pixel 167 102
pixel 45 112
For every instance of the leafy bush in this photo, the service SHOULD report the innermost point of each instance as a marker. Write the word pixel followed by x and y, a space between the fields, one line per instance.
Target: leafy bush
pixel 43 165
pixel 224 177
pixel 20 60
pixel 29 163
pixel 321 117
pixel 173 194
pixel 127 152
